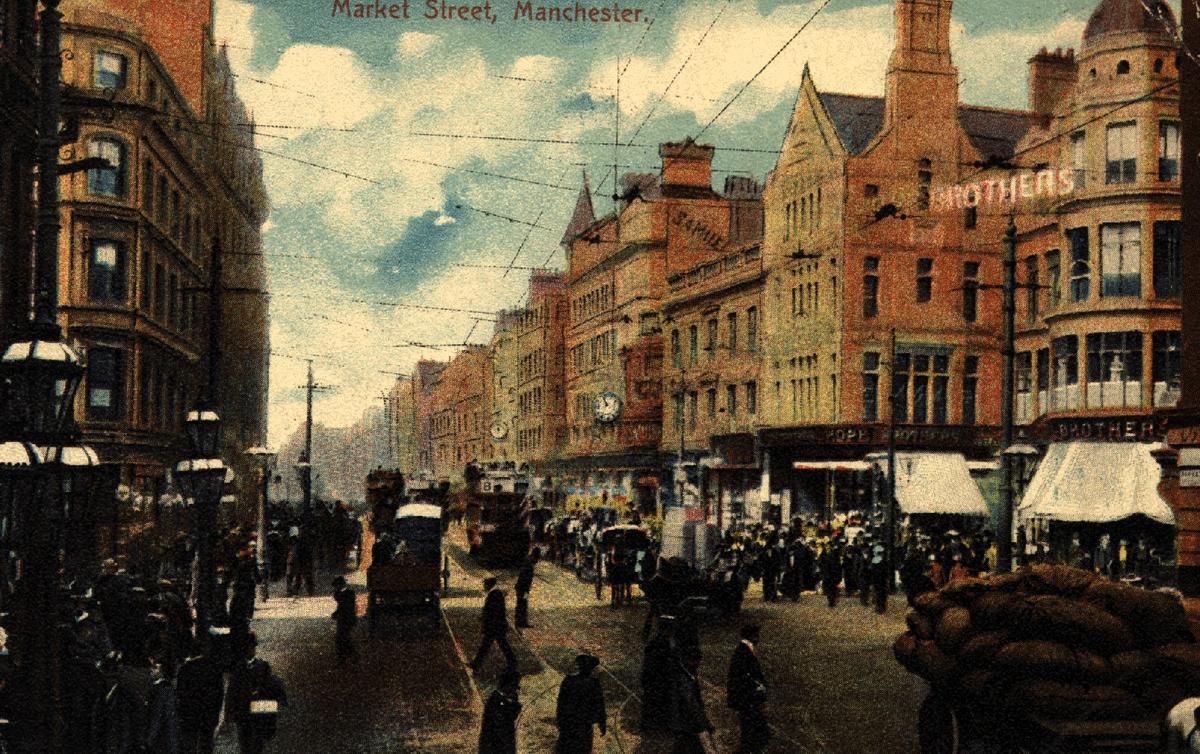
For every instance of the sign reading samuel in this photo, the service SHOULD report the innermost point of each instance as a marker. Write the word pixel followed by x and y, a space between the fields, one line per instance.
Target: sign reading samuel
pixel 1050 182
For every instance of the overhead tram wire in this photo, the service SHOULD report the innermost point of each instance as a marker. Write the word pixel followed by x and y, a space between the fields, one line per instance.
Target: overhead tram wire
pixel 778 52
pixel 532 140
pixel 498 216
pixel 392 304
pixel 528 234
pixel 671 83
pixel 260 150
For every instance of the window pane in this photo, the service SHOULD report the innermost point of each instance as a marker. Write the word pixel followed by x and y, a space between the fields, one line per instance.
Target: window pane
pixel 1121 259
pixel 940 388
pixel 1167 270
pixel 110 70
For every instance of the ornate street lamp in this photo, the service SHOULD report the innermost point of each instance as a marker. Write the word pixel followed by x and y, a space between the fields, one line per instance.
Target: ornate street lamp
pixel 266 457
pixel 39 378
pixel 201 480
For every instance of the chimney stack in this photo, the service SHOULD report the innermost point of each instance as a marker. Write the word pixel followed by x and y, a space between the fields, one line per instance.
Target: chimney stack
pixel 1052 76
pixel 687 164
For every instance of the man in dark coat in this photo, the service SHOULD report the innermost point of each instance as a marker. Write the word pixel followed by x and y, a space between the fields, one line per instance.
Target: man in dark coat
pixel 119 718
pixel 831 573
pixel 199 691
pixel 346 615
pixel 498 733
pixel 746 691
pixel 523 586
pixel 659 661
pixel 580 706
pixel 495 626
pixel 689 720
pixel 253 689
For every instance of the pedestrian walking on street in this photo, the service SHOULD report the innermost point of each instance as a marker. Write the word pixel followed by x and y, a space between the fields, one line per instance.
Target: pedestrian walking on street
pixel 119 717
pixel 498 732
pixel 881 579
pixel 255 696
pixel 300 564
pixel 580 706
pixel 831 574
pixel 746 690
pixel 495 626
pixel 523 586
pixel 162 728
pixel 346 615
pixel 199 691
pixel 659 661
pixel 689 720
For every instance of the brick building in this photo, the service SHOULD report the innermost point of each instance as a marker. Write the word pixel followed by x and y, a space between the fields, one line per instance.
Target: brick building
pixel 459 412
pixel 426 374
pixel 1098 342
pixel 504 352
pixel 712 314
pixel 137 238
pixel 857 254
pixel 540 425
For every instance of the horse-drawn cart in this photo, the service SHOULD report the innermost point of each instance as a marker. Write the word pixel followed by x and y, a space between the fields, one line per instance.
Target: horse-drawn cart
pixel 410 577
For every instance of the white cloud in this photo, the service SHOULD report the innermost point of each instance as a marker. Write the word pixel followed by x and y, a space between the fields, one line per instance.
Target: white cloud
pixel 416 43
pixel 444 220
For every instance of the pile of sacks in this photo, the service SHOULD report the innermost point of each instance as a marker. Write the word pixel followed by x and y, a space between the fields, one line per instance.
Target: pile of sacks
pixel 1055 642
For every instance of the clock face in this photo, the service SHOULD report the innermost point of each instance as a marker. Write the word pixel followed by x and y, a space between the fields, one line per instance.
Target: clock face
pixel 607 407
pixel 499 431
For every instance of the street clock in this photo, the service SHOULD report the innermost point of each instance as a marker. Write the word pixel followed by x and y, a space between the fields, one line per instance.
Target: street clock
pixel 499 431
pixel 607 407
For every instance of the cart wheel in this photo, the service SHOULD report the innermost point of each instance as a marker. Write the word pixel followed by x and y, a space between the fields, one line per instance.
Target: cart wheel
pixel 938 727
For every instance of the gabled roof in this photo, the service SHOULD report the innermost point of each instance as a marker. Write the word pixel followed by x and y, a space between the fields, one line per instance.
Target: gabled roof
pixel 584 215
pixel 993 131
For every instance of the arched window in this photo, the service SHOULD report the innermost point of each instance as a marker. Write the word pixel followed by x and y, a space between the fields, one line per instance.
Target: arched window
pixel 1158 65
pixel 1123 68
pixel 110 180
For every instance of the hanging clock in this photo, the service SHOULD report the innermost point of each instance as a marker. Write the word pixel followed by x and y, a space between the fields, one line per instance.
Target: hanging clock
pixel 499 431
pixel 607 407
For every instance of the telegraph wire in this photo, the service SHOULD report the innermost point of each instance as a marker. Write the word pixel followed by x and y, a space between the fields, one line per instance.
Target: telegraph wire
pixel 493 137
pixel 525 240
pixel 309 163
pixel 687 60
pixel 486 173
pixel 504 217
pixel 272 84
pixel 765 65
pixel 394 304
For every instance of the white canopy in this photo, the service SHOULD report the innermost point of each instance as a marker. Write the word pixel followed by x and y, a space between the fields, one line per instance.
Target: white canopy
pixel 831 466
pixel 419 510
pixel 1096 482
pixel 934 483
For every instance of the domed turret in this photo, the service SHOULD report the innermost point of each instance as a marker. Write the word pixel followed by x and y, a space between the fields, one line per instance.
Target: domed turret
pixel 1130 17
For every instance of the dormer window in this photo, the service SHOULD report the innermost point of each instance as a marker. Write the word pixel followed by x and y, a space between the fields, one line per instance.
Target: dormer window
pixel 1123 68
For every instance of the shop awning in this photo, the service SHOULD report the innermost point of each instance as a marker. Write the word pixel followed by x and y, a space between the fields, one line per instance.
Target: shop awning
pixel 831 466
pixel 934 483
pixel 1096 482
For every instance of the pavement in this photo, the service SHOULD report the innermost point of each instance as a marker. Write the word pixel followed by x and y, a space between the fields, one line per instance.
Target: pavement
pixel 834 685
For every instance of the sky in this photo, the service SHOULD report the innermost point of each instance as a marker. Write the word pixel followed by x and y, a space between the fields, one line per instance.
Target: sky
pixel 369 214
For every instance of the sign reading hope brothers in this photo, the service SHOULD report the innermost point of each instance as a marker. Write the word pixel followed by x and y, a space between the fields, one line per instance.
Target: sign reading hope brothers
pixel 1051 182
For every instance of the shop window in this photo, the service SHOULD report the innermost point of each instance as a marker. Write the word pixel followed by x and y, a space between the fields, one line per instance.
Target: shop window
pixel 1065 373
pixel 1114 369
pixel 1165 367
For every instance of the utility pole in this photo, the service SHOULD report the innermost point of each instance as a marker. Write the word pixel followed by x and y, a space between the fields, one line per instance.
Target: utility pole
pixel 387 428
pixel 1189 115
pixel 305 464
pixel 889 511
pixel 1004 535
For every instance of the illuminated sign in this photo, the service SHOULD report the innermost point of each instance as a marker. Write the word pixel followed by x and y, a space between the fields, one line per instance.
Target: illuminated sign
pixel 1027 185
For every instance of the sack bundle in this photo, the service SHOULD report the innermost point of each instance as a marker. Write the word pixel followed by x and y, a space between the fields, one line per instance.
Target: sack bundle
pixel 1053 641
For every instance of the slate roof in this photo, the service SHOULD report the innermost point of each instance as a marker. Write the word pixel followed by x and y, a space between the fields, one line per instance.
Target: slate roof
pixel 584 215
pixel 993 131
